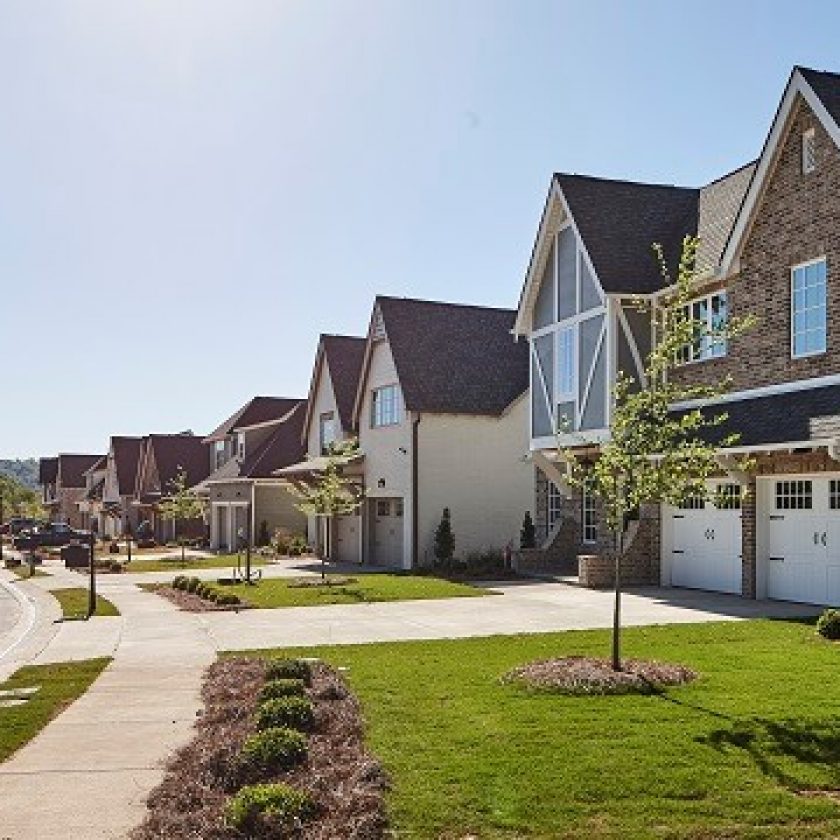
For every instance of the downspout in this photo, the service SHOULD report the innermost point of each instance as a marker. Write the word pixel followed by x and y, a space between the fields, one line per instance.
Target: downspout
pixel 415 506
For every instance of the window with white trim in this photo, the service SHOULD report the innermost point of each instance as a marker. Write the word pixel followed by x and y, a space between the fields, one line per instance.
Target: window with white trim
pixel 834 494
pixel 692 503
pixel 589 527
pixel 555 505
pixel 728 497
pixel 240 446
pixel 385 406
pixel 809 151
pixel 794 495
pixel 566 363
pixel 219 454
pixel 326 431
pixel 808 308
pixel 709 315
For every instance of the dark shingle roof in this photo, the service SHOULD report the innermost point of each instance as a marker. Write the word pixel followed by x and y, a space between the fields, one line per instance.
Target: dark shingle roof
pixel 453 358
pixel 175 452
pixel 619 222
pixel 794 416
pixel 47 470
pixel 827 88
pixel 345 355
pixel 126 460
pixel 72 468
pixel 256 410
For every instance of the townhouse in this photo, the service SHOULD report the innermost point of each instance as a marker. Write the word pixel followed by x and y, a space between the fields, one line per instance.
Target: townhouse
pixel 440 414
pixel 769 246
pixel 243 493
pixel 63 485
pixel 119 514
pixel 90 505
pixel 161 459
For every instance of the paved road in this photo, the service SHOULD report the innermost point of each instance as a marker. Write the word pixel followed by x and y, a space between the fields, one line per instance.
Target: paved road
pixel 87 774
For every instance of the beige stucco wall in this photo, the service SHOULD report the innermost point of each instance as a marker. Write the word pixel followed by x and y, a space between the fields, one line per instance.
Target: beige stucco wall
pixel 475 467
pixel 387 450
pixel 276 505
pixel 322 402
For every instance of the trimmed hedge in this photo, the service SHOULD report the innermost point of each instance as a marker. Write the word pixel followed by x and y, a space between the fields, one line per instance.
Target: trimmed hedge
pixel 284 687
pixel 276 748
pixel 294 712
pixel 258 809
pixel 828 624
pixel 288 669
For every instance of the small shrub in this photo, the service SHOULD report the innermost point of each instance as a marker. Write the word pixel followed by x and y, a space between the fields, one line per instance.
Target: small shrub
pixel 288 669
pixel 227 600
pixel 294 712
pixel 828 624
pixel 116 566
pixel 192 584
pixel 212 594
pixel 277 748
pixel 281 540
pixel 444 540
pixel 257 807
pixel 282 688
pixel 528 534
pixel 179 582
pixel 263 537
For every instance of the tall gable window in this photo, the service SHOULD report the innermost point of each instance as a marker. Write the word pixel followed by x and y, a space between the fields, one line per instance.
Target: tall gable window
pixel 709 315
pixel 326 431
pixel 809 151
pixel 385 407
pixel 808 309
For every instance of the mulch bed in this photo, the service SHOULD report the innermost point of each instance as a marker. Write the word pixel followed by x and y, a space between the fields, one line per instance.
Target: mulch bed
pixel 591 675
pixel 346 782
pixel 191 602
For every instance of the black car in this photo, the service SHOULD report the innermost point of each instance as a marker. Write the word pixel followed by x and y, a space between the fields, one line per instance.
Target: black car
pixel 52 534
pixel 18 524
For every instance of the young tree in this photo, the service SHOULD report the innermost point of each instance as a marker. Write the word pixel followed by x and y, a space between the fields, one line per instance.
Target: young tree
pixel 444 540
pixel 182 504
pixel 654 455
pixel 331 493
pixel 528 534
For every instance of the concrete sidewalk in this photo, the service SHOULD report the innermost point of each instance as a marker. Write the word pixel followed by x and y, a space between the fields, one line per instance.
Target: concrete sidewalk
pixel 88 773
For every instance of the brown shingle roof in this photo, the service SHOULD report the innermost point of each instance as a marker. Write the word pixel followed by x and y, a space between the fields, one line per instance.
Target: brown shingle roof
pixel 179 452
pixel 72 467
pixel 453 358
pixel 126 460
pixel 47 470
pixel 827 87
pixel 344 355
pixel 256 410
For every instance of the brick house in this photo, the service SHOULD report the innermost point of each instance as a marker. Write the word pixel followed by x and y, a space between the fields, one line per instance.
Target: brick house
pixel 769 246
pixel 63 485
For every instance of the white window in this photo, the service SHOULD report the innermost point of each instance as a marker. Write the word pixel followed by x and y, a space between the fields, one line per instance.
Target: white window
pixel 709 315
pixel 808 311
pixel 326 426
pixel 587 505
pixel 219 453
pixel 794 495
pixel 728 497
pixel 809 151
pixel 385 406
pixel 566 363
pixel 555 505
pixel 240 446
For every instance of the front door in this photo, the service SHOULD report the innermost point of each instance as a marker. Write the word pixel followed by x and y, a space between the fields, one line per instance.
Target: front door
pixel 387 522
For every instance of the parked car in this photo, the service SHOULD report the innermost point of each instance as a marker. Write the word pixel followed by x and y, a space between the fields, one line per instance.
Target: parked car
pixel 52 534
pixel 18 524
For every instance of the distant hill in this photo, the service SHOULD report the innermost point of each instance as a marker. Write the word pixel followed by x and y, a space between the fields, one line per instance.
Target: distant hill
pixel 23 470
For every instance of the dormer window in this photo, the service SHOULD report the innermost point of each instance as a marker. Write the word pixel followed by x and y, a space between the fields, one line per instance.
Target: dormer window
pixel 809 151
pixel 327 431
pixel 240 446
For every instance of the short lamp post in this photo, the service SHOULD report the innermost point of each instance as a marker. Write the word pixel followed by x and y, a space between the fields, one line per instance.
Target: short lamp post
pixel 1 522
pixel 92 590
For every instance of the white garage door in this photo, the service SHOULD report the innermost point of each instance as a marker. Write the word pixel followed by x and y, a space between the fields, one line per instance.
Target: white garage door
pixel 702 540
pixel 800 536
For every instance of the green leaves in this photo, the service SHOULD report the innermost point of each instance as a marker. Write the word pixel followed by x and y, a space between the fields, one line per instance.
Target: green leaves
pixel 332 493
pixel 183 502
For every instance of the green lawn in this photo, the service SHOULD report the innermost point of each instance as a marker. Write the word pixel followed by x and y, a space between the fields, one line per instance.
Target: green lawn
pixel 366 588
pixel 724 757
pixel 59 685
pixel 174 564
pixel 22 571
pixel 74 603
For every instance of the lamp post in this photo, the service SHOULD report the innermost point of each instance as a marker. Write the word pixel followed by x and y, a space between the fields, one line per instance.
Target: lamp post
pixel 2 496
pixel 92 590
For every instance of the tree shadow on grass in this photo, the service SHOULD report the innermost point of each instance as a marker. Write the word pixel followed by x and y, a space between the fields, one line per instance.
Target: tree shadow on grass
pixel 775 745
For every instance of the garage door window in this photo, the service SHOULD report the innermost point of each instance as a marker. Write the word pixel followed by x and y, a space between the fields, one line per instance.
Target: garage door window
pixel 794 495
pixel 383 507
pixel 693 503
pixel 728 497
pixel 834 494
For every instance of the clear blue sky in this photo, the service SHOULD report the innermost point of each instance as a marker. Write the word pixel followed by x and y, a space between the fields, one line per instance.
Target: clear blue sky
pixel 191 191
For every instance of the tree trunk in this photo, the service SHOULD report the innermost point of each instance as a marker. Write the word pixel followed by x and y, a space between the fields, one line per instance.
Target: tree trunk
pixel 616 630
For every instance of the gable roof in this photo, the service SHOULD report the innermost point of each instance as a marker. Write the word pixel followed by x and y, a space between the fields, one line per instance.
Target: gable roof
pixel 47 470
pixel 345 355
pixel 127 452
pixel 284 446
pixel 97 466
pixel 170 454
pixel 620 220
pixel 257 410
pixel 821 92
pixel 453 358
pixel 72 468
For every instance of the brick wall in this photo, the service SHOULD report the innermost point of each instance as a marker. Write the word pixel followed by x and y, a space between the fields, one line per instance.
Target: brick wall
pixel 798 219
